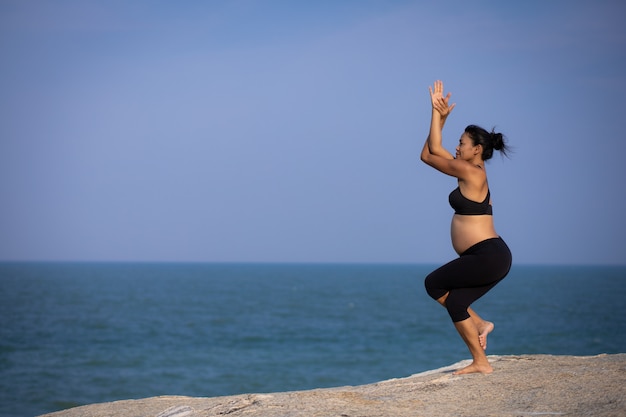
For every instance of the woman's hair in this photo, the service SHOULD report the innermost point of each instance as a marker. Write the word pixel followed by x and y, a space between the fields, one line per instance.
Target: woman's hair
pixel 488 140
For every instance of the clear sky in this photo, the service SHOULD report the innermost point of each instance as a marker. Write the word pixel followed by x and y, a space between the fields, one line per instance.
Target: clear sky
pixel 290 131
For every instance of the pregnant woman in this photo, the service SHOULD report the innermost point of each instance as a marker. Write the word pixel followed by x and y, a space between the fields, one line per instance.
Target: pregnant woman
pixel 484 259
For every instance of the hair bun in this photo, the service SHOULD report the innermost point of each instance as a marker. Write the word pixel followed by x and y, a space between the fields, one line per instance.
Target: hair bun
pixel 497 140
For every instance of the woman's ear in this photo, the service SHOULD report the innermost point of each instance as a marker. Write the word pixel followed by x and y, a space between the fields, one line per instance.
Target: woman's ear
pixel 478 151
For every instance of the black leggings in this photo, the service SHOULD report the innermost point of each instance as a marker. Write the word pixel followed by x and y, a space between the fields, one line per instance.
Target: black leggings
pixel 470 276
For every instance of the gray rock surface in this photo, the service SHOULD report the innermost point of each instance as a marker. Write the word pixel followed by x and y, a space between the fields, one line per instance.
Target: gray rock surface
pixel 527 385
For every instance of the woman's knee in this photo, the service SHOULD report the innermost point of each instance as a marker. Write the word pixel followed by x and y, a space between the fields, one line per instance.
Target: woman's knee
pixel 433 288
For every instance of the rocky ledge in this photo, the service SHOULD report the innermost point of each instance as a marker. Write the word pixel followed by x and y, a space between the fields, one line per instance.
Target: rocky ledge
pixel 527 385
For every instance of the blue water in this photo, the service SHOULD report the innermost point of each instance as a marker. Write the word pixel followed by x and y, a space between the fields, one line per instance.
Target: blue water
pixel 75 334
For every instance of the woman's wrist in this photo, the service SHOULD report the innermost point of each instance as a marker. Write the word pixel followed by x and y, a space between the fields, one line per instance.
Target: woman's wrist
pixel 438 114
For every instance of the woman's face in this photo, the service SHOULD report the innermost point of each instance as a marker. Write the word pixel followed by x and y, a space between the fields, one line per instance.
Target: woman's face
pixel 466 149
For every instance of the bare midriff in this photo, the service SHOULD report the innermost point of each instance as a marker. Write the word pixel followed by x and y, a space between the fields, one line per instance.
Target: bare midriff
pixel 468 230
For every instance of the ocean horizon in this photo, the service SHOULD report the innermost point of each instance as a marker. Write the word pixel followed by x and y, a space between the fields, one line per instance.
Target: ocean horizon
pixel 76 333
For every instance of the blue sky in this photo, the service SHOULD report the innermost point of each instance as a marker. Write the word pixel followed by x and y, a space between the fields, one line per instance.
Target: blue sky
pixel 285 131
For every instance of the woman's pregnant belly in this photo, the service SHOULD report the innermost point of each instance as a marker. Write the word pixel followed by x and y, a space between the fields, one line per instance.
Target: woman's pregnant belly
pixel 467 231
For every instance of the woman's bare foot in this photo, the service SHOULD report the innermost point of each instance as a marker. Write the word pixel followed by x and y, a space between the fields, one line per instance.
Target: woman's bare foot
pixel 483 331
pixel 475 368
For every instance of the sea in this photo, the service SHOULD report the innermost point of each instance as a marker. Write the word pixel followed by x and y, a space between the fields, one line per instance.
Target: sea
pixel 73 334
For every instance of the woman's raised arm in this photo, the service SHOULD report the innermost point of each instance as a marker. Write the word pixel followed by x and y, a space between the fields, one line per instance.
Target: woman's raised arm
pixel 440 111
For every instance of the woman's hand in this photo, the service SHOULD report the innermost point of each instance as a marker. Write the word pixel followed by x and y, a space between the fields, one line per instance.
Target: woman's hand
pixel 439 101
pixel 441 109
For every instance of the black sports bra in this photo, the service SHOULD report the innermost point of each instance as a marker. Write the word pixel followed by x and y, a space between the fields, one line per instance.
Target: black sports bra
pixel 462 205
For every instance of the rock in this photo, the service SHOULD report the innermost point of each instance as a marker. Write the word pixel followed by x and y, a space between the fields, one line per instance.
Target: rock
pixel 526 385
